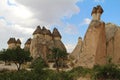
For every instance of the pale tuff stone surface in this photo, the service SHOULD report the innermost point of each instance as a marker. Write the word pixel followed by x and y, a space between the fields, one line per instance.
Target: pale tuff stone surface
pixel 116 47
pixel 96 12
pixel 76 52
pixel 43 41
pixel 59 44
pixel 113 42
pixel 94 45
pixel 110 34
pixel 93 49
pixel 13 43
pixel 27 45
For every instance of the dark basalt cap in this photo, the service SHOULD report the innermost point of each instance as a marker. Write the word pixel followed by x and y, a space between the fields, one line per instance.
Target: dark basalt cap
pixel 11 40
pixel 37 31
pixel 56 33
pixel 28 41
pixel 80 38
pixel 94 10
pixel 49 32
pixel 18 41
pixel 97 9
pixel 46 31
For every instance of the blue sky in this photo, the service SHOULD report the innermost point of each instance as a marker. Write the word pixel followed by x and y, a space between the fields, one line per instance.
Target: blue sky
pixel 19 18
pixel 111 13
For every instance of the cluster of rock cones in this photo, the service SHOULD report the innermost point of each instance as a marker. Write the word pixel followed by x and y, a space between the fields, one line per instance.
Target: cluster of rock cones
pixel 101 41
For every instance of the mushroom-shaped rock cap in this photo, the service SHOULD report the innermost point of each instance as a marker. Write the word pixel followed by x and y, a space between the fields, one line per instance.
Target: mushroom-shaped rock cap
pixel 37 31
pixel 94 10
pixel 80 38
pixel 99 9
pixel 56 33
pixel 28 41
pixel 18 41
pixel 11 40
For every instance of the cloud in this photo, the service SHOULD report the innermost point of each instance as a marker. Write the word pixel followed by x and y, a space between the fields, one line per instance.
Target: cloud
pixel 86 21
pixel 70 47
pixel 11 2
pixel 51 12
pixel 17 31
pixel 71 29
pixel 19 18
pixel 22 30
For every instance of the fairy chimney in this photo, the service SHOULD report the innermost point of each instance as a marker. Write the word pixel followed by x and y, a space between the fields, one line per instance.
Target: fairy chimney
pixel 96 12
pixel 27 44
pixel 18 43
pixel 43 41
pixel 57 40
pixel 47 34
pixel 93 51
pixel 38 32
pixel 56 34
pixel 11 43
pixel 77 50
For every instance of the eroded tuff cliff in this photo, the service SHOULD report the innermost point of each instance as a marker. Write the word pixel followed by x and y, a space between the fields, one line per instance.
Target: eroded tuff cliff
pixel 113 42
pixel 101 42
pixel 93 50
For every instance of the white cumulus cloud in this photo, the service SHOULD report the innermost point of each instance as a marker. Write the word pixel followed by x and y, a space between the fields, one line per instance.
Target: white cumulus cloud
pixel 19 18
pixel 71 29
pixel 86 21
pixel 70 47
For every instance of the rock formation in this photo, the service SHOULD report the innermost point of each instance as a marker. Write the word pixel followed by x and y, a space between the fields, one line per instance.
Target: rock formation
pixel 94 45
pixel 113 42
pixel 13 43
pixel 18 43
pixel 57 40
pixel 93 50
pixel 43 41
pixel 27 44
pixel 96 12
pixel 101 42
pixel 76 52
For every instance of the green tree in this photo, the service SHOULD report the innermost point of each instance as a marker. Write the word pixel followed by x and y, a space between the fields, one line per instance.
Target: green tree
pixel 38 64
pixel 58 56
pixel 4 55
pixel 107 72
pixel 17 56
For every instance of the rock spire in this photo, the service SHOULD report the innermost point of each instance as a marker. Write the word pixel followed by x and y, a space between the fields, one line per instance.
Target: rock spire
pixel 96 12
